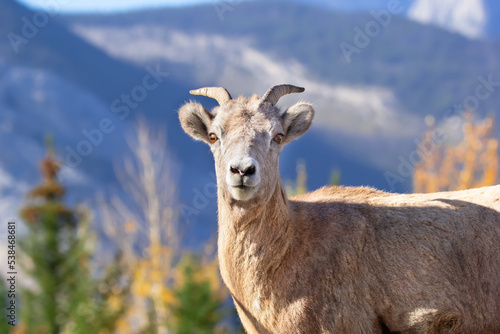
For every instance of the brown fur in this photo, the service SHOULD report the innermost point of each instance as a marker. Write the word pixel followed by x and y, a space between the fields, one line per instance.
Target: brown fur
pixel 351 260
pixel 346 260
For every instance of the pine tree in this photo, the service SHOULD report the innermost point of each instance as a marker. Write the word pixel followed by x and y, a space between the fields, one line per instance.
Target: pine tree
pixel 198 306
pixel 64 296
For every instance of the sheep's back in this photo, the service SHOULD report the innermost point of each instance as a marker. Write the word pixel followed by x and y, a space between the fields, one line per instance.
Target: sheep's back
pixel 431 260
pixel 439 256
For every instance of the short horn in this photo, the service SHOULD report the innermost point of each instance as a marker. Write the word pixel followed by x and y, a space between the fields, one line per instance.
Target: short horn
pixel 276 92
pixel 218 93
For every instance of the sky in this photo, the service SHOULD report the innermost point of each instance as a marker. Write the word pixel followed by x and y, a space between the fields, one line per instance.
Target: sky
pixel 107 5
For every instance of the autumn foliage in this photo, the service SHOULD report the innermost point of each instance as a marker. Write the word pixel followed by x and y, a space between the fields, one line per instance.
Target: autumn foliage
pixel 471 163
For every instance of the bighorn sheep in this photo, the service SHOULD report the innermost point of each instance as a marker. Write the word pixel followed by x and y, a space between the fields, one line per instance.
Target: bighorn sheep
pixel 341 259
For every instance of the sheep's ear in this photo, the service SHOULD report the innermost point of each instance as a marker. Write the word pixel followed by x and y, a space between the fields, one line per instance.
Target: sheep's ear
pixel 196 120
pixel 296 120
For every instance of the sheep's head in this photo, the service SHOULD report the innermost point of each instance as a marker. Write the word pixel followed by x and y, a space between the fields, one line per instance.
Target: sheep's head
pixel 246 137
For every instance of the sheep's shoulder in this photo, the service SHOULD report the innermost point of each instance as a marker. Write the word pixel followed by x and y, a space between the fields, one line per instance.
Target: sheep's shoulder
pixel 341 194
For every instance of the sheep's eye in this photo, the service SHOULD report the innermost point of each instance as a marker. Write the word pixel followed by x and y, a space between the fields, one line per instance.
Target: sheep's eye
pixel 213 137
pixel 278 138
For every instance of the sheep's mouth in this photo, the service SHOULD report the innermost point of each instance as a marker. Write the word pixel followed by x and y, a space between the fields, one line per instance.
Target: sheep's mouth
pixel 243 189
pixel 243 192
pixel 243 186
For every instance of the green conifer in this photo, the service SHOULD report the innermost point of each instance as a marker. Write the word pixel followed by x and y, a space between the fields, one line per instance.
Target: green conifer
pixel 63 294
pixel 198 308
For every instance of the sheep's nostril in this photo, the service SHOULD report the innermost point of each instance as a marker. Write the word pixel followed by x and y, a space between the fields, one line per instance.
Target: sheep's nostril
pixel 235 170
pixel 250 171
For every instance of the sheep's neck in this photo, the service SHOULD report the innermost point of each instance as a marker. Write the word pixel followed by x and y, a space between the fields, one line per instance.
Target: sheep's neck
pixel 253 242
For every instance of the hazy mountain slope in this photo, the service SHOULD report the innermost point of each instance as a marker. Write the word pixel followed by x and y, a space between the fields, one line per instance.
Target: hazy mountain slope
pixel 426 67
pixel 56 49
pixel 355 120
pixel 245 69
pixel 59 84
pixel 408 71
